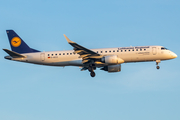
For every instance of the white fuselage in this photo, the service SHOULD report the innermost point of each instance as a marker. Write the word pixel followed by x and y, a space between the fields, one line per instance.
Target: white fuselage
pixel 128 54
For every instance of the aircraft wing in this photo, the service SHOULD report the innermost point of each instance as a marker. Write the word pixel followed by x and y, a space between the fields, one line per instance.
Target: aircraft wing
pixel 86 54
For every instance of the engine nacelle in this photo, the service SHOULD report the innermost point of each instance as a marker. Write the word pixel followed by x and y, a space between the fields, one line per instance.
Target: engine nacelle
pixel 112 68
pixel 113 59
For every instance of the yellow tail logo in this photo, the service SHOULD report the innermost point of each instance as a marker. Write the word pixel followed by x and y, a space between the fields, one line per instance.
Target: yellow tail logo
pixel 16 42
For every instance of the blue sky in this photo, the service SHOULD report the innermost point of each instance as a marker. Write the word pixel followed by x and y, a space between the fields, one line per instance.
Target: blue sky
pixel 138 92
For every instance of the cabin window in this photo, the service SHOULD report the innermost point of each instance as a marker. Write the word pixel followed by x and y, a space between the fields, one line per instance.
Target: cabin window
pixel 101 51
pixel 52 54
pixel 117 50
pixel 121 50
pixel 132 49
pixel 129 50
pixel 140 49
pixel 56 54
pixel 70 53
pixel 48 54
pixel 105 51
pixel 125 50
pixel 136 49
pixel 113 50
pixel 67 53
pixel 63 53
pixel 59 53
pixel 144 49
pixel 109 51
pixel 97 51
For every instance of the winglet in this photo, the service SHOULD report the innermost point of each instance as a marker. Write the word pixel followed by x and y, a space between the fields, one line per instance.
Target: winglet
pixel 68 40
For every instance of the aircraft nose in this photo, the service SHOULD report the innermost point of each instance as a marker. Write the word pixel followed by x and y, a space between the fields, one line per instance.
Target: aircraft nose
pixel 174 55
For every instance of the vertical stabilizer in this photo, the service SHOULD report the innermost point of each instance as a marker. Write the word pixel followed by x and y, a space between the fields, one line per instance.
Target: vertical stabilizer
pixel 17 44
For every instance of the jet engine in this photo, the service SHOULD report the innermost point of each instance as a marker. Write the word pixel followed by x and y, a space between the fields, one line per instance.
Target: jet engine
pixel 112 68
pixel 113 59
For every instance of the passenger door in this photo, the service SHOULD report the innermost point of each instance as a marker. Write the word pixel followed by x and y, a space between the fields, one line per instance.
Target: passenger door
pixel 154 50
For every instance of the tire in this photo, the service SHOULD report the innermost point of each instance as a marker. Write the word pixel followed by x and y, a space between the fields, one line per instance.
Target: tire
pixel 158 67
pixel 92 74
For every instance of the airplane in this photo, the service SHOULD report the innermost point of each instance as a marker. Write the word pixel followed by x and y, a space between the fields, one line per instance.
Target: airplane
pixel 107 59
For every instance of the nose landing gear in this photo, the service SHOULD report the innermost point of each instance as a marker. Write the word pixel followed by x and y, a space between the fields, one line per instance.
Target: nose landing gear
pixel 157 67
pixel 157 63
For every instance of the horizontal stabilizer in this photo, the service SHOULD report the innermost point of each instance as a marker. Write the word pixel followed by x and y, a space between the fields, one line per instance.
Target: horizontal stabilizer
pixel 14 54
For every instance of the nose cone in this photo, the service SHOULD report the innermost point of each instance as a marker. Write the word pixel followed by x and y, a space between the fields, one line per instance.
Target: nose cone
pixel 174 55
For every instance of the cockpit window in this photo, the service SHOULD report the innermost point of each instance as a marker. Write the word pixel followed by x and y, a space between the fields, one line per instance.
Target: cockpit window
pixel 163 48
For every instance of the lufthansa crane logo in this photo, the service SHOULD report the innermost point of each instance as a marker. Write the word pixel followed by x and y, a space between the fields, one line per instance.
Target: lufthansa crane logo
pixel 16 42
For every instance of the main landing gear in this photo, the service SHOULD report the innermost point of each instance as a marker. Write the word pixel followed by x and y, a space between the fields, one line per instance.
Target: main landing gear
pixel 92 74
pixel 91 69
pixel 157 63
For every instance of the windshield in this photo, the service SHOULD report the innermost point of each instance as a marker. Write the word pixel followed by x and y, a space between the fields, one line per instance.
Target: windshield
pixel 163 48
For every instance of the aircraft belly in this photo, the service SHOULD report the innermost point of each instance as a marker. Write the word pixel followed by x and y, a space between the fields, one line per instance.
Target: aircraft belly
pixel 76 63
pixel 68 63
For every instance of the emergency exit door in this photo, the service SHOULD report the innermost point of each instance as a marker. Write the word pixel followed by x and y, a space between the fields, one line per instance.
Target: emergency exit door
pixel 42 56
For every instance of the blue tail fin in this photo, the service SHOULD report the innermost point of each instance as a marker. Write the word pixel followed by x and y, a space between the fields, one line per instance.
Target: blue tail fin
pixel 17 44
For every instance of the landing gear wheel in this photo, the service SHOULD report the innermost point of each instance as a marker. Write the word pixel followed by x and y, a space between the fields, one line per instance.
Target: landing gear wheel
pixel 158 67
pixel 92 74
